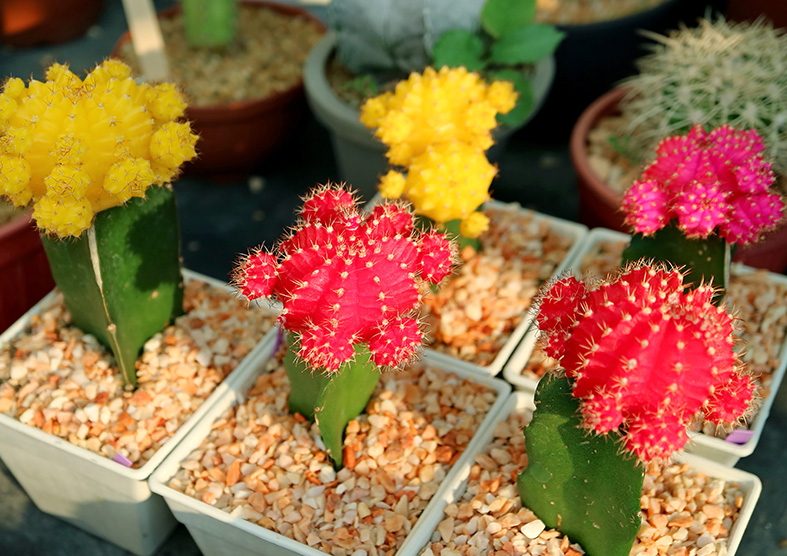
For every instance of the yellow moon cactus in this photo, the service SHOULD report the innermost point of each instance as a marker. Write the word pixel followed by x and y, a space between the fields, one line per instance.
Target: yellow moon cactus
pixel 438 125
pixel 75 147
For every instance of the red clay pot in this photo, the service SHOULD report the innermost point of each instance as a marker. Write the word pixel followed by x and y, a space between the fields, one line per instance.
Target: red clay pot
pixel 24 270
pixel 599 204
pixel 236 137
pixel 34 22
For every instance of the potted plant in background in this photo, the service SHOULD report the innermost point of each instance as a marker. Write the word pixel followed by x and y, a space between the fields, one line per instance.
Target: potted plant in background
pixel 357 56
pixel 26 23
pixel 598 450
pixel 718 73
pixel 83 432
pixel 240 66
pixel 358 477
pixel 438 127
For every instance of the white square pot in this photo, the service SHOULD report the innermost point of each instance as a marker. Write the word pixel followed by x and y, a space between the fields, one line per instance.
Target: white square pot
pixel 715 449
pixel 522 402
pixel 218 533
pixel 90 491
pixel 577 233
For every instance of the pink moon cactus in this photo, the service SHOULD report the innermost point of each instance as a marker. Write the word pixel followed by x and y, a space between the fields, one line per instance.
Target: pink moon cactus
pixel 646 356
pixel 345 278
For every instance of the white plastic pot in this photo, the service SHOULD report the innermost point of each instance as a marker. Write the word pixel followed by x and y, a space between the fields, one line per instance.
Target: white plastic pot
pixel 92 492
pixel 219 533
pixel 360 157
pixel 715 449
pixel 523 402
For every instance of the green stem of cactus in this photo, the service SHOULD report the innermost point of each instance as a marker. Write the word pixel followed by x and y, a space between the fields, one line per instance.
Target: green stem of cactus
pixel 121 278
pixel 578 482
pixel 210 23
pixel 703 260
pixel 331 400
pixel 451 229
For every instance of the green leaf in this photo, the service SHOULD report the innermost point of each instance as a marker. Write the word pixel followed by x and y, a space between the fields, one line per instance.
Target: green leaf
pixel 525 103
pixel 576 482
pixel 703 260
pixel 501 16
pixel 457 48
pixel 527 45
pixel 332 400
pixel 121 278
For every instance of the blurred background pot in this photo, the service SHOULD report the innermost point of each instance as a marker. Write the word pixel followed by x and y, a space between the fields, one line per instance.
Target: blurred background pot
pixel 24 270
pixel 238 136
pixel 37 22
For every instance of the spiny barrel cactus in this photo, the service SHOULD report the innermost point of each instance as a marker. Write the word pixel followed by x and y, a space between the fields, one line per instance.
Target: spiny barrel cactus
pixel 643 356
pixel 438 125
pixel 348 283
pixel 714 74
pixel 86 152
pixel 703 192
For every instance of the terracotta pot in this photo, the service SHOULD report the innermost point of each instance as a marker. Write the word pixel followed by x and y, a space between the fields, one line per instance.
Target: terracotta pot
pixel 236 137
pixel 599 203
pixel 24 270
pixel 34 22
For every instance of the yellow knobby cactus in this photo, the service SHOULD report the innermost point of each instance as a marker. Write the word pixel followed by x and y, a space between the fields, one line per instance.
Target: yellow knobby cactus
pixel 76 147
pixel 447 182
pixel 448 105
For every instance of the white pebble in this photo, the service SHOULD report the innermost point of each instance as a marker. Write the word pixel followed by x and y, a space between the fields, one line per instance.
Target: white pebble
pixel 533 529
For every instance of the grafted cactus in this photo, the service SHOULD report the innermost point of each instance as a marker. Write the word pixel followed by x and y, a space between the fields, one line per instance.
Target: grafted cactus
pixel 703 192
pixel 643 357
pixel 391 37
pixel 438 125
pixel 348 283
pixel 86 152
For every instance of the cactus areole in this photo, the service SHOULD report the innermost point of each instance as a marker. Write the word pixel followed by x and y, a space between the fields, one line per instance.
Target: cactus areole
pixel 348 283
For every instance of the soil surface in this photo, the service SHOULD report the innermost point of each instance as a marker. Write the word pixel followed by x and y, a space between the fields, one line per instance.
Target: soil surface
pixel 266 57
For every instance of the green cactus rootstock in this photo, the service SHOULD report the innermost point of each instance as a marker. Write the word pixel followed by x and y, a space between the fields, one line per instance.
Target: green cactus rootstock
pixel 210 23
pixel 332 400
pixel 704 260
pixel 121 278
pixel 576 481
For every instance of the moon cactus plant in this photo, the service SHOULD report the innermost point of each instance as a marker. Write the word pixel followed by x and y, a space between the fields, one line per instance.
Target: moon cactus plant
pixel 86 152
pixel 438 126
pixel 643 356
pixel 348 284
pixel 704 192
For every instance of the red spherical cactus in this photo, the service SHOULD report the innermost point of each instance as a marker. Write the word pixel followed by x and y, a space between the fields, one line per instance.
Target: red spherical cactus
pixel 646 356
pixel 345 278
pixel 708 182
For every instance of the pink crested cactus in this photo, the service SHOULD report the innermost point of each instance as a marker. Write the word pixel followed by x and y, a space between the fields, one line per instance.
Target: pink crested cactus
pixel 345 278
pixel 709 182
pixel 646 356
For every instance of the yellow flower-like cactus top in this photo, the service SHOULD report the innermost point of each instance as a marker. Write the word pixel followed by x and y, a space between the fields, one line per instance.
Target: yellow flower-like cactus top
pixel 75 147
pixel 439 126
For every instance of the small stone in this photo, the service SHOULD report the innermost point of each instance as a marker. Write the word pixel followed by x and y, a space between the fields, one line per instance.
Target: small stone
pixel 533 529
